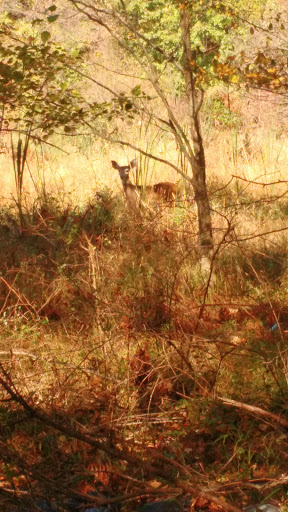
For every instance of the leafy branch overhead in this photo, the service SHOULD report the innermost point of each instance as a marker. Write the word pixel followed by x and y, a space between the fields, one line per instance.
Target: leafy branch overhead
pixel 39 79
pixel 260 72
pixel 39 86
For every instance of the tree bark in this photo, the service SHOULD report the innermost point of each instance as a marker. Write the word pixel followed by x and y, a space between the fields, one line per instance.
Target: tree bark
pixel 191 147
pixel 197 160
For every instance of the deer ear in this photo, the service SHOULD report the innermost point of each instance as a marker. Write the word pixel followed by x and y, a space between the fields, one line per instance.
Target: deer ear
pixel 133 163
pixel 114 164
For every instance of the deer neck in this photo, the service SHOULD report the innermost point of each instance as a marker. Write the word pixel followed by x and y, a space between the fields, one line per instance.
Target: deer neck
pixel 127 183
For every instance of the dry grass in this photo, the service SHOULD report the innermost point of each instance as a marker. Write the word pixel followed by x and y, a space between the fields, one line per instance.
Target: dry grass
pixel 101 331
pixel 254 150
pixel 102 320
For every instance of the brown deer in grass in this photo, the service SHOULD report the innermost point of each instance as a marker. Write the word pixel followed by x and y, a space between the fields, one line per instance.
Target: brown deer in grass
pixel 164 191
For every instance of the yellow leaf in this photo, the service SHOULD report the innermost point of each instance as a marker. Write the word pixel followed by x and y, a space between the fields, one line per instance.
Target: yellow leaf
pixel 235 79
pixel 155 484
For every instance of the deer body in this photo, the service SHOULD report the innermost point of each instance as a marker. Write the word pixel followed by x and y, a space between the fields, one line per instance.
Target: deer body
pixel 160 191
pixel 169 191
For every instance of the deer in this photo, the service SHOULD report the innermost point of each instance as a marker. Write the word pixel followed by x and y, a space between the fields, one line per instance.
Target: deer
pixel 160 191
pixel 169 191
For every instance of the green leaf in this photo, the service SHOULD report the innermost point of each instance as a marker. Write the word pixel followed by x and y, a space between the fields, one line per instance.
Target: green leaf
pixel 53 97
pixel 136 91
pixel 52 8
pixel 45 36
pixel 36 21
pixel 75 53
pixel 53 18
pixel 64 86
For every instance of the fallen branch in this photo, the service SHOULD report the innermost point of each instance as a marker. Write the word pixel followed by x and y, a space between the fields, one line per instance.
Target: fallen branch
pixel 257 411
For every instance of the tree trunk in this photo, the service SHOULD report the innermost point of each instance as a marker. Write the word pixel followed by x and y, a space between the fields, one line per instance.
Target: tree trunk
pixel 197 160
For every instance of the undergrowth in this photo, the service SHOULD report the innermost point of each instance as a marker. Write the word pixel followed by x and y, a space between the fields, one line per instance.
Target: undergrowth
pixel 111 361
